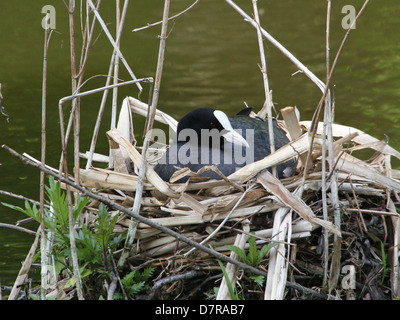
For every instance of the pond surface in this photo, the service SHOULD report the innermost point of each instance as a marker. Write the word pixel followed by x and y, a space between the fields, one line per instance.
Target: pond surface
pixel 211 60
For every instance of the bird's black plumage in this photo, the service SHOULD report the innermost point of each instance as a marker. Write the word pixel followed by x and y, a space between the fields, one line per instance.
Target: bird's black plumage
pixel 227 157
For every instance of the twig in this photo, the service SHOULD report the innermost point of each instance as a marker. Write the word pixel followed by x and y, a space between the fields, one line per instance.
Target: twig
pixel 116 274
pixel 382 213
pixel 149 25
pixel 177 277
pixel 301 66
pixel 14 227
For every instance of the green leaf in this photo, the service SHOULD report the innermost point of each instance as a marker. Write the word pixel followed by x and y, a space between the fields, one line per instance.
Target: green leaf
pixel 104 225
pixel 252 256
pixel 264 250
pixel 81 203
pixel 240 252
pixel 135 281
pixel 15 208
pixel 258 279
pixel 34 296
pixel 148 272
pixel 72 281
pixel 32 212
pixel 136 288
pixel 144 275
pixel 128 279
pixel 234 296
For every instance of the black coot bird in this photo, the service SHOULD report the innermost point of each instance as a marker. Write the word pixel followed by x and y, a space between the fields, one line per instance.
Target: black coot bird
pixel 208 137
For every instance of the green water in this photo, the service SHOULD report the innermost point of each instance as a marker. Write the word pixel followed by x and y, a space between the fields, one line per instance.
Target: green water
pixel 211 60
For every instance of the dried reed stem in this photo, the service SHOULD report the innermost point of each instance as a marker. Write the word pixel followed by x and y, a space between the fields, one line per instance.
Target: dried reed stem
pixel 74 254
pixel 97 90
pixel 74 85
pixel 18 228
pixel 118 30
pixel 268 105
pixel 278 264
pixel 323 176
pixel 148 127
pixel 44 258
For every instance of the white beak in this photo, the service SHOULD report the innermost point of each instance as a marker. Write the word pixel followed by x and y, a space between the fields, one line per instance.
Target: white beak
pixel 235 138
pixel 231 136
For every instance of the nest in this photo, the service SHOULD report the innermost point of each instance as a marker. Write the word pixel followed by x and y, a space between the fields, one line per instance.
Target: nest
pixel 323 245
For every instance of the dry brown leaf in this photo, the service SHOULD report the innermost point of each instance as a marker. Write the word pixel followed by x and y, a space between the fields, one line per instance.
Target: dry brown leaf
pixel 274 186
